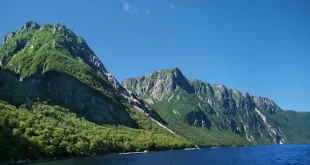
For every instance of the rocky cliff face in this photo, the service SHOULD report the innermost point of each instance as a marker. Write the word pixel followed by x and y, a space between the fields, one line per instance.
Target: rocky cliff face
pixel 53 60
pixel 266 104
pixel 214 107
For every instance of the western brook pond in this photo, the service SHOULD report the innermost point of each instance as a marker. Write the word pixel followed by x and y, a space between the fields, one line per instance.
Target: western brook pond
pixel 265 155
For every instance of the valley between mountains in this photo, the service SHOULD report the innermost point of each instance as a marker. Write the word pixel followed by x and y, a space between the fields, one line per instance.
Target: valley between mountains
pixel 57 99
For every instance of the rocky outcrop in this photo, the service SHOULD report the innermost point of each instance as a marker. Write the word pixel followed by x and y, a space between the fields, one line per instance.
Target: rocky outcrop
pixel 221 92
pixel 266 104
pixel 160 85
pixel 15 42
pixel 198 118
pixel 31 25
pixel 208 105
pixel 7 37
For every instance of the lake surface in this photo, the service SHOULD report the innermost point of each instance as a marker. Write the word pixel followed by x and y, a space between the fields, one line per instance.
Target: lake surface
pixel 265 155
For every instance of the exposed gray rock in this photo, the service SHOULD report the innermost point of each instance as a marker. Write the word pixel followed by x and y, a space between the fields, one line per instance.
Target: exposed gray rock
pixel 221 92
pixel 54 43
pixel 236 108
pixel 266 104
pixel 3 40
pixel 31 25
pixel 175 112
pixel 10 35
pixel 160 85
pixel 7 37
pixel 198 118
pixel 245 95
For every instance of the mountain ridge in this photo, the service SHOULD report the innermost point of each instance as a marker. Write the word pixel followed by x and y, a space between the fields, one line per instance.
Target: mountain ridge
pixel 244 94
pixel 206 105
pixel 57 96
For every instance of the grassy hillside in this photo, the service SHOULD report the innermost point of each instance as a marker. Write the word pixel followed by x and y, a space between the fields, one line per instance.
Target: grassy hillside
pixel 208 135
pixel 294 125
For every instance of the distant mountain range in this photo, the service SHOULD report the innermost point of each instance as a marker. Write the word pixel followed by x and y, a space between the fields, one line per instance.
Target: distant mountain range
pixel 58 99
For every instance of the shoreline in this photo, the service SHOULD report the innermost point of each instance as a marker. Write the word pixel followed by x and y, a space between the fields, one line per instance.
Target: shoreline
pixel 146 151
pixel 120 153
pixel 74 157
pixel 116 153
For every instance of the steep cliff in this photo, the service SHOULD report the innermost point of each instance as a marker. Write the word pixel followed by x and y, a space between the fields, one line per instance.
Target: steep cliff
pixel 199 110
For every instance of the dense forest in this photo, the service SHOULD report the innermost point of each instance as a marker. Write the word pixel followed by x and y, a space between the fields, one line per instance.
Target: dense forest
pixel 40 130
pixel 33 126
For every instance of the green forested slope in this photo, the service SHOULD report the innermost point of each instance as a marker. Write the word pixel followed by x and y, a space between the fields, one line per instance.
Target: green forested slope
pixel 213 115
pixel 41 130
pixel 57 99
pixel 54 61
pixel 34 127
pixel 294 125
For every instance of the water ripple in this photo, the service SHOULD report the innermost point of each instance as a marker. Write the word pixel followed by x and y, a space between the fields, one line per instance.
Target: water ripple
pixel 254 155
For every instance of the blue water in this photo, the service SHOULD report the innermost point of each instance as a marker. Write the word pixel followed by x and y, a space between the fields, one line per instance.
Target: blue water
pixel 265 155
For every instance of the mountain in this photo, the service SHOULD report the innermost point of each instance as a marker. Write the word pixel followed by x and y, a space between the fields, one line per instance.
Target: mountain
pixel 214 115
pixel 60 64
pixel 58 99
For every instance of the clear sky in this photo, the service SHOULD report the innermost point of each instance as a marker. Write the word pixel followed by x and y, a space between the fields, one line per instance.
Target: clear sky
pixel 258 46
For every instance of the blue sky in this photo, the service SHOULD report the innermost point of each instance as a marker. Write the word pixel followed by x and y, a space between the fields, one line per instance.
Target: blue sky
pixel 258 46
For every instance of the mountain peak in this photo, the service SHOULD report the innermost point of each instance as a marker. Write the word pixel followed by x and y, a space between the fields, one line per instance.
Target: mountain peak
pixel 266 103
pixel 175 73
pixel 30 25
pixel 176 69
pixel 55 26
pixel 161 84
pixel 170 70
pixel 32 38
pixel 245 95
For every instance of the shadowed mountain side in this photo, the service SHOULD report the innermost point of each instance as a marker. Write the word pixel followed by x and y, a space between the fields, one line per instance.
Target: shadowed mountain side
pixel 63 89
pixel 73 94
